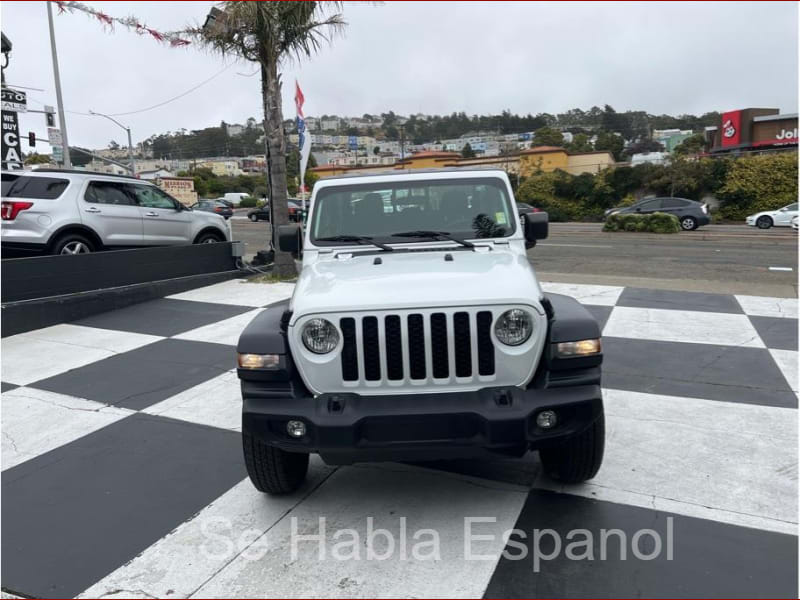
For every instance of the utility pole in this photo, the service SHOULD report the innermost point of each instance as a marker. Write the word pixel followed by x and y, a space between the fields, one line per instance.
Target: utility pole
pixel 61 119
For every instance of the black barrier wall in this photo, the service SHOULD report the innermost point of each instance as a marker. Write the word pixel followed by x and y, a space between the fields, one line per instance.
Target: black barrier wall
pixel 46 276
pixel 47 290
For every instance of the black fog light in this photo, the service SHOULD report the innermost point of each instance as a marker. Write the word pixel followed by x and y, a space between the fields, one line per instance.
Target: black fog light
pixel 296 429
pixel 546 419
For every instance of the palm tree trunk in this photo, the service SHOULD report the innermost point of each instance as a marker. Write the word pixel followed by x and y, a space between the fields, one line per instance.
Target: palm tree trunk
pixel 273 121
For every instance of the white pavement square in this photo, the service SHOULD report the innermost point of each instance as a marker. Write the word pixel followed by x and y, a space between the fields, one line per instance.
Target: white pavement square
pixel 787 362
pixel 730 462
pixel 43 353
pixel 682 326
pixel 36 421
pixel 763 306
pixel 603 295
pixel 216 402
pixel 226 331
pixel 239 292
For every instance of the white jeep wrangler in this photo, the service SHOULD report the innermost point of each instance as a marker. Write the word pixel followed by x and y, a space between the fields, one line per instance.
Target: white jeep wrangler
pixel 418 331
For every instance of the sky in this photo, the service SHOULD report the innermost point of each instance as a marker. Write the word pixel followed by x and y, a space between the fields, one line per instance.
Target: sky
pixel 411 57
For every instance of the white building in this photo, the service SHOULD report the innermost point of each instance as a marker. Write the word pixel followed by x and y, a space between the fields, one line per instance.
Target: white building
pixel 329 124
pixel 656 158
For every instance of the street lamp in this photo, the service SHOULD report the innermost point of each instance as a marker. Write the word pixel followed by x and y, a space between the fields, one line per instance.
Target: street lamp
pixel 132 163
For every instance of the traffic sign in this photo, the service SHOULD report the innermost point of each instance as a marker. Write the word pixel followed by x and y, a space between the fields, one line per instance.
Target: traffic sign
pixel 54 136
pixel 58 154
pixel 14 100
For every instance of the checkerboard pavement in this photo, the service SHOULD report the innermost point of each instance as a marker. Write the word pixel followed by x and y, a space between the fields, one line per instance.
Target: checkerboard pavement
pixel 122 473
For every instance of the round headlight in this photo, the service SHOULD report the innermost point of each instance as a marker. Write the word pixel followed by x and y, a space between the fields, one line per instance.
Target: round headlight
pixel 320 336
pixel 514 327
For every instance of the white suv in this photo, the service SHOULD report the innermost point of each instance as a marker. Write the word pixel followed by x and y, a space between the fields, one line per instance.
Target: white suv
pixel 76 212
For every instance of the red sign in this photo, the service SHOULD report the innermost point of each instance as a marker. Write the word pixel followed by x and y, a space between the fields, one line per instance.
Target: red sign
pixel 731 128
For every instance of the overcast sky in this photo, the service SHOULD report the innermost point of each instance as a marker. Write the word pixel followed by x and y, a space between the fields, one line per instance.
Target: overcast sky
pixel 414 57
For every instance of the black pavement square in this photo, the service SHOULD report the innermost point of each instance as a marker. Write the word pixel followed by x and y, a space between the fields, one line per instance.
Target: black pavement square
pixel 164 317
pixel 727 373
pixel 777 333
pixel 697 558
pixel 5 387
pixel 75 514
pixel 673 300
pixel 144 376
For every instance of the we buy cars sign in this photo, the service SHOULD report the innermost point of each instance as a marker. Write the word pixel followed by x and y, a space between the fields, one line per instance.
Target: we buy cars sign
pixel 11 156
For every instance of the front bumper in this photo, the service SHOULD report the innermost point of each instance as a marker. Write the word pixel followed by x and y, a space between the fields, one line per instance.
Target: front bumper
pixel 346 428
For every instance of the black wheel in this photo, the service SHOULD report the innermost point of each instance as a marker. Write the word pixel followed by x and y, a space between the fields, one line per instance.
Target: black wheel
pixel 688 223
pixel 271 469
pixel 579 457
pixel 208 238
pixel 764 222
pixel 73 243
pixel 254 218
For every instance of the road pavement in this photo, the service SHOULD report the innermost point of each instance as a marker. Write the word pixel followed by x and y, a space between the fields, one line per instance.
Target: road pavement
pixel 716 258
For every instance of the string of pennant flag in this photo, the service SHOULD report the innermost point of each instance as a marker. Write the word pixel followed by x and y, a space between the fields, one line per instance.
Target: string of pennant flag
pixel 172 38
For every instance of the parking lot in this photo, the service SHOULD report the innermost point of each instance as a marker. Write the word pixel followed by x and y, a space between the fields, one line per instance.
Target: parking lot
pixel 122 471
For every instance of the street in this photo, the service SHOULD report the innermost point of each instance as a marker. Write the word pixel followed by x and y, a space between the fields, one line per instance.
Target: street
pixel 732 259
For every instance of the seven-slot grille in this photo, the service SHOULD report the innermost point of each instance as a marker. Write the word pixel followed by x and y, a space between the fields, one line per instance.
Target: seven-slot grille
pixel 439 345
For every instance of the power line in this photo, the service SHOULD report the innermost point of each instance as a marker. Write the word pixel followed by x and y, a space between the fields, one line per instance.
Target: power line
pixel 160 104
pixel 190 90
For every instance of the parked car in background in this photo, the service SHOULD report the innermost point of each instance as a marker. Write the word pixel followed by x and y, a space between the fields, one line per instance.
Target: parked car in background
pixel 60 211
pixel 794 223
pixel 773 218
pixel 690 213
pixel 215 206
pixel 259 213
pixel 233 198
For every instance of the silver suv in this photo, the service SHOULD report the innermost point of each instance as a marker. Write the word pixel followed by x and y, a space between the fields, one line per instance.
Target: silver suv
pixel 75 212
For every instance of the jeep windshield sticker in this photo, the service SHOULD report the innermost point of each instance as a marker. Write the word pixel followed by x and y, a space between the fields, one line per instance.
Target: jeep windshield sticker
pixel 500 218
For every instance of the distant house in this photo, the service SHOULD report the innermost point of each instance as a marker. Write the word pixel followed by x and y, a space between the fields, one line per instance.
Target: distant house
pixel 154 174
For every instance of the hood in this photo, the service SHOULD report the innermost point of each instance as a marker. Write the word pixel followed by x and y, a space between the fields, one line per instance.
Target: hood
pixel 415 280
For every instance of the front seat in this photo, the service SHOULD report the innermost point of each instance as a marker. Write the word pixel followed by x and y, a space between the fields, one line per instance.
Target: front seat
pixel 368 215
pixel 454 207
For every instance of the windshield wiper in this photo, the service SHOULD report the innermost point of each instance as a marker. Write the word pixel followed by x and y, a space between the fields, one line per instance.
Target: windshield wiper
pixel 434 235
pixel 356 239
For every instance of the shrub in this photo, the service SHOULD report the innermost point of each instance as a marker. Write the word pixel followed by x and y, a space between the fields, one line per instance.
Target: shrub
pixel 248 202
pixel 757 183
pixel 652 223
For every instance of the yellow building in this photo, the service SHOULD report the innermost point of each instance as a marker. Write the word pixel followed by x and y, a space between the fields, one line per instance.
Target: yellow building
pixel 429 160
pixel 222 167
pixel 542 158
pixel 589 162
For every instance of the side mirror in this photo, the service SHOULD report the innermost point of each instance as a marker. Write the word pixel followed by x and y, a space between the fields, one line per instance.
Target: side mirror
pixel 290 238
pixel 535 227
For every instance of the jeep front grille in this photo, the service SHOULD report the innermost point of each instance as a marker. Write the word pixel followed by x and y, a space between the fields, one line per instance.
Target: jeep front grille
pixel 439 345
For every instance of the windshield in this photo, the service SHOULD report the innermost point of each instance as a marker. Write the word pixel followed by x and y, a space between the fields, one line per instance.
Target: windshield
pixel 464 208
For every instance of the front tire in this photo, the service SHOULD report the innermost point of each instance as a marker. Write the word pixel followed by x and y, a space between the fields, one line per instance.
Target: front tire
pixel 764 222
pixel 579 457
pixel 272 470
pixel 254 218
pixel 73 243
pixel 688 223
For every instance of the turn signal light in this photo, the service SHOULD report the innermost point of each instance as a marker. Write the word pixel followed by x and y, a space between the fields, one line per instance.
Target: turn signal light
pixel 579 348
pixel 259 361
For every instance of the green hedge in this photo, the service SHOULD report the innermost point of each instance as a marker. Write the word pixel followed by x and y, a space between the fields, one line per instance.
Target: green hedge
pixel 649 223
pixel 248 202
pixel 757 183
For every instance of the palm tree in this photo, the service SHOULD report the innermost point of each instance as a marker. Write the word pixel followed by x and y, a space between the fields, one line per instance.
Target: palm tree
pixel 271 33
